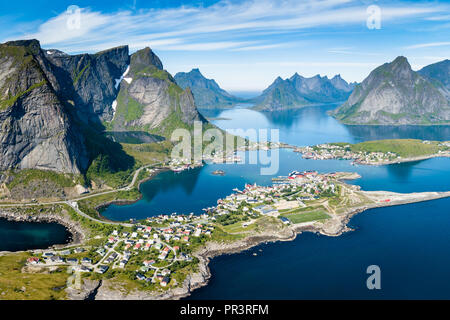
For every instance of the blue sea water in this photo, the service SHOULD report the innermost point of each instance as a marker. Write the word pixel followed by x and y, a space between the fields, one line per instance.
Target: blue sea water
pixel 410 243
pixel 18 236
pixel 193 190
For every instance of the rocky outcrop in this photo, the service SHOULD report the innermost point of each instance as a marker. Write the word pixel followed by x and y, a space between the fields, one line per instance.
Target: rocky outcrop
pixel 299 91
pixel 393 94
pixel 89 81
pixel 207 93
pixel 150 100
pixel 35 129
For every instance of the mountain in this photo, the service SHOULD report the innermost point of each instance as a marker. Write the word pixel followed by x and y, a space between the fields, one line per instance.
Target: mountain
pixel 439 74
pixel 299 91
pixel 54 106
pixel 394 94
pixel 35 129
pixel 207 93
pixel 89 81
pixel 150 100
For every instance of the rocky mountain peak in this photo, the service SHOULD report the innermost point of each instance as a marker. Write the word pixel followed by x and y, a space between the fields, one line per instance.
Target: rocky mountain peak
pixel 394 94
pixel 207 93
pixel 144 58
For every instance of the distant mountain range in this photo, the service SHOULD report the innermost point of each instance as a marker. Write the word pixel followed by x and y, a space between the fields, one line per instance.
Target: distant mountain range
pixel 298 91
pixel 207 93
pixel 394 94
pixel 54 106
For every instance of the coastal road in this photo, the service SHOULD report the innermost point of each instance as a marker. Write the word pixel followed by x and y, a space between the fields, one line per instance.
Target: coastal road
pixel 75 207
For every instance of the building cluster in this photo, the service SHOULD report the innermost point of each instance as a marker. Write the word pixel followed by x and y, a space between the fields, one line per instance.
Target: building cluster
pixel 156 244
pixel 182 164
pixel 332 151
pixel 286 193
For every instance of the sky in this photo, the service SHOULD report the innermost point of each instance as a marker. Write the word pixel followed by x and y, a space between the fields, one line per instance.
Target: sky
pixel 243 44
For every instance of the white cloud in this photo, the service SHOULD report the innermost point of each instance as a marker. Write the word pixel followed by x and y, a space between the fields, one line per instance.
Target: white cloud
pixel 209 28
pixel 439 18
pixel 261 47
pixel 429 45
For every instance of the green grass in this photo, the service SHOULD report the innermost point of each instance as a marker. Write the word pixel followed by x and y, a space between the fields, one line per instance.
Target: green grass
pixel 238 227
pixel 80 73
pixel 38 286
pixel 109 163
pixel 220 235
pixel 4 104
pixel 24 177
pixel 302 217
pixel 403 147
pixel 135 110
pixel 149 153
pixel 89 205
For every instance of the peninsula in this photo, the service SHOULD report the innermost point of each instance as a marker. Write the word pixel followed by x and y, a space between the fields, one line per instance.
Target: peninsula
pixel 166 256
pixel 380 152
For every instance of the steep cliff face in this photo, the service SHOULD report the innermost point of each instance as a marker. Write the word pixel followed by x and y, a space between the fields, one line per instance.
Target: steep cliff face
pixel 207 93
pixel 394 94
pixel 35 130
pixel 89 81
pixel 438 74
pixel 299 91
pixel 149 99
pixel 49 102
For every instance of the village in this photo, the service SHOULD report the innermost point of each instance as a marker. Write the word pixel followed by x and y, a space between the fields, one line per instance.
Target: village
pixel 334 151
pixel 159 252
pixel 221 156
pixel 286 196
pixel 410 151
pixel 148 251
pixel 152 250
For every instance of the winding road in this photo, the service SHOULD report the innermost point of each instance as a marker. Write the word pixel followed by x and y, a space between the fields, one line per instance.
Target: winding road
pixel 73 202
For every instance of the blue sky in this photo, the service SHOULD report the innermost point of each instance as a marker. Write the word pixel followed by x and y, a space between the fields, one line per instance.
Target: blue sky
pixel 243 44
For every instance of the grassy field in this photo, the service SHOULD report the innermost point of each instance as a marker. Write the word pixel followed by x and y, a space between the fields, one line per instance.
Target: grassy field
pixel 149 153
pixel 403 147
pixel 238 227
pixel 24 177
pixel 15 285
pixel 307 216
